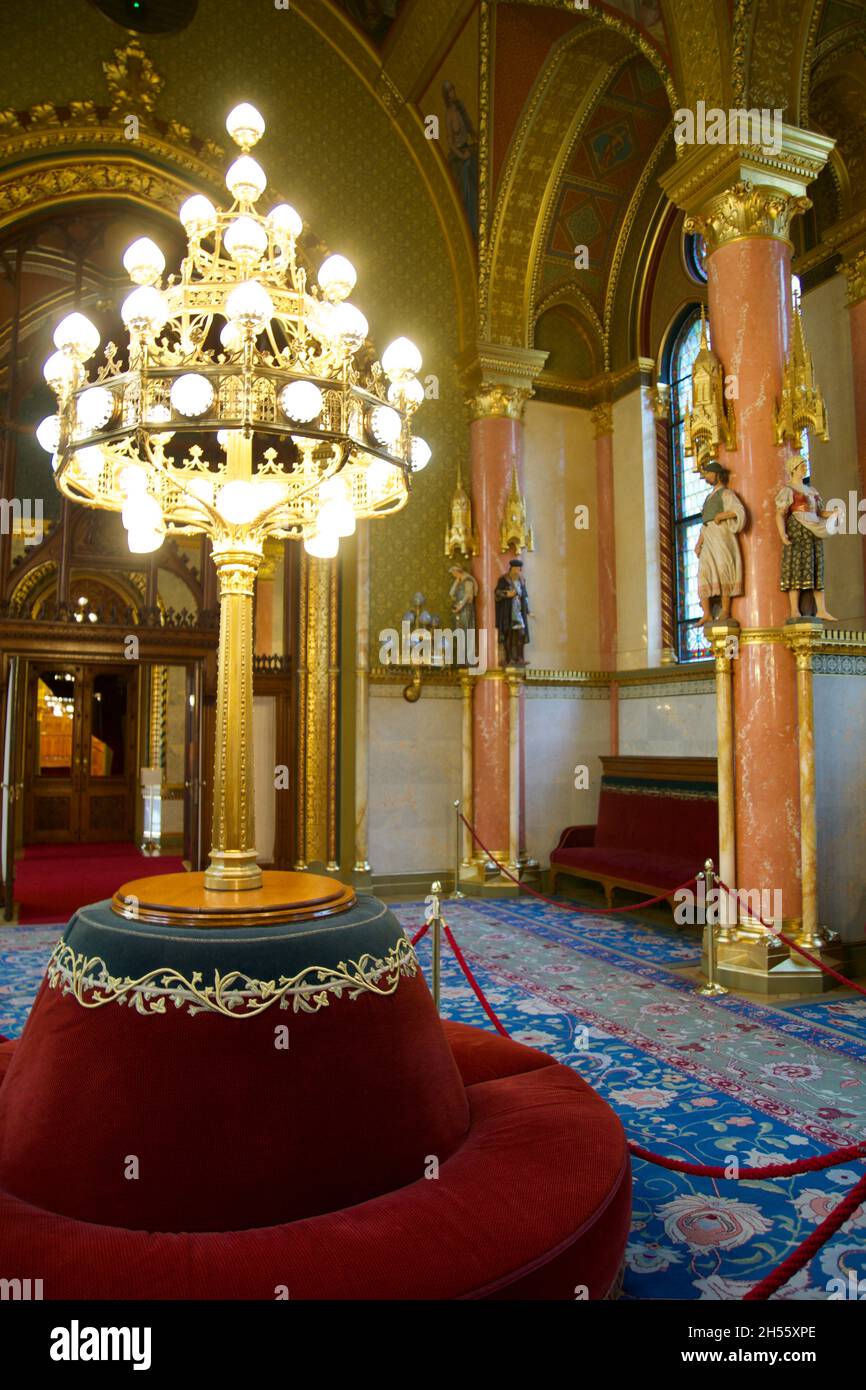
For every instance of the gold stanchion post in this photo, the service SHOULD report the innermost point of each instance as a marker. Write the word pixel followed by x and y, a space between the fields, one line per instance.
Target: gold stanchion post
pixel 457 856
pixel 435 920
pixel 710 989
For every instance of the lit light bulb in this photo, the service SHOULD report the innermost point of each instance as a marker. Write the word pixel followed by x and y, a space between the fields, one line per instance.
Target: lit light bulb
pixel 385 425
pixel 249 305
pixel 336 517
pixel 95 408
pixel 77 336
pixel 142 512
pixel 302 401
pixel 246 179
pixel 237 502
pixel 59 371
pixel 143 261
pixel 88 462
pixel 406 390
pixel 337 277
pixel 420 455
pixel 245 125
pixel 285 222
pixel 143 540
pixel 231 337
pixel 349 325
pixel 145 310
pixel 401 358
pixel 245 239
pixel 198 215
pixel 48 433
pixel 200 488
pixel 322 545
pixel 132 480
pixel 191 394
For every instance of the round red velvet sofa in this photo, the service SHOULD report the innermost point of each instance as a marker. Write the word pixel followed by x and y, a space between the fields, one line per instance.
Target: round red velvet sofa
pixel 204 1129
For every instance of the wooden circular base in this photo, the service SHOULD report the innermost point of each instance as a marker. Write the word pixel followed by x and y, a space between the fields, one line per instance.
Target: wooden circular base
pixel 181 900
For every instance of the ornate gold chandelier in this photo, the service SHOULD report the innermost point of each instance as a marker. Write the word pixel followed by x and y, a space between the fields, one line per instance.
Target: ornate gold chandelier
pixel 249 405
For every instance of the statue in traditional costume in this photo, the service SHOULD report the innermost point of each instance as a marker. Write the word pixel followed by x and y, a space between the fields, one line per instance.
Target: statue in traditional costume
pixel 801 519
pixel 720 564
pixel 463 593
pixel 512 613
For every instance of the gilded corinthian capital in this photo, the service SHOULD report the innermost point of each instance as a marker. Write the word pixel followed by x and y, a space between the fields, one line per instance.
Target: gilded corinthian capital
pixel 730 191
pixel 747 210
pixel 601 416
pixel 854 271
pixel 491 399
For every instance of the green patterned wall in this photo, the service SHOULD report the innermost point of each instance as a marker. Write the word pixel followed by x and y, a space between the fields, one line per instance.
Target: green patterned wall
pixel 333 152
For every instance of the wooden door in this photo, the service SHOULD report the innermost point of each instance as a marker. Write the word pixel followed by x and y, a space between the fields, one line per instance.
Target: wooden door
pixel 81 769
pixel 107 764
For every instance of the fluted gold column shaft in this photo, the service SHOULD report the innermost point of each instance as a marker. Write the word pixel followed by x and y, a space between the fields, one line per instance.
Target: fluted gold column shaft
pixel 727 799
pixel 466 798
pixel 233 856
pixel 809 935
pixel 362 702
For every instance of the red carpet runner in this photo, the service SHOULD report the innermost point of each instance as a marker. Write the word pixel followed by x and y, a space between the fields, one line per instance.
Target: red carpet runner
pixel 51 881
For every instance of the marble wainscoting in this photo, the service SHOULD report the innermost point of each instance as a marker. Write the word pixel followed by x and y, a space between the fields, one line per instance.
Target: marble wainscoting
pixel 668 718
pixel 567 727
pixel 840 738
pixel 415 758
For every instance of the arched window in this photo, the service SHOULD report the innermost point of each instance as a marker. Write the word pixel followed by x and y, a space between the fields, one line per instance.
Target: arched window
pixel 688 491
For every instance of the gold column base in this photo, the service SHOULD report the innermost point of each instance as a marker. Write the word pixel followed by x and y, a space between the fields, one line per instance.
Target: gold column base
pixel 232 870
pixel 480 877
pixel 749 959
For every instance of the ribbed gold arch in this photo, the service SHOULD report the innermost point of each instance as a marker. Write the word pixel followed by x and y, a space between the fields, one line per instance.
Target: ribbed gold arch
pixel 564 96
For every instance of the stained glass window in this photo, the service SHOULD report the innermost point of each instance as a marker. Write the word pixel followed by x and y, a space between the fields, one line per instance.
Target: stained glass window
pixel 688 493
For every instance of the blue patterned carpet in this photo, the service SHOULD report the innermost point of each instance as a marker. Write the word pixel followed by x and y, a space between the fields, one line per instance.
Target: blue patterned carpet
pixel 690 1077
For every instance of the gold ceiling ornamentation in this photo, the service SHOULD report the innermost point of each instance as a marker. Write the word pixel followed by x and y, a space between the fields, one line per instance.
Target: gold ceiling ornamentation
pixel 802 404
pixel 79 179
pixel 710 422
pixel 461 535
pixel 747 210
pixel 515 533
pixel 648 176
pixel 601 416
pixel 132 79
pixel 855 277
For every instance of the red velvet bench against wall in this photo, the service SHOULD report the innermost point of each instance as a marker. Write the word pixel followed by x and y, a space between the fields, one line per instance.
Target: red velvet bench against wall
pixel 658 821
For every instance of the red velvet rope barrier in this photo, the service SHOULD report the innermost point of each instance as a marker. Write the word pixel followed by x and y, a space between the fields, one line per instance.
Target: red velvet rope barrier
pixel 573 907
pixel 479 993
pixel 801 951
pixel 810 1246
pixel 418 935
pixel 851 1153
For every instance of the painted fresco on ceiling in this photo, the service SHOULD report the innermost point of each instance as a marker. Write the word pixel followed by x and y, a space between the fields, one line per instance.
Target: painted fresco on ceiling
pixel 452 97
pixel 374 17
pixel 600 178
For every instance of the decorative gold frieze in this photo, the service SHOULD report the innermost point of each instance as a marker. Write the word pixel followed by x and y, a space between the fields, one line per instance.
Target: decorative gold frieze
pixel 515 533
pixel 710 422
pixel 461 537
pixel 855 277
pixel 601 416
pixel 232 993
pixel 802 404
pixel 747 210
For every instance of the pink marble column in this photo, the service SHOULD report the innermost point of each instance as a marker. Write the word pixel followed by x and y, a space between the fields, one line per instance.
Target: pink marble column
pixel 750 321
pixel 855 272
pixel 602 419
pixel 495 447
